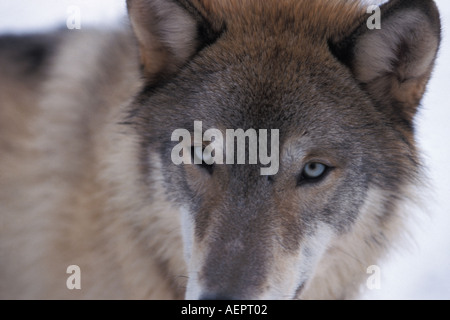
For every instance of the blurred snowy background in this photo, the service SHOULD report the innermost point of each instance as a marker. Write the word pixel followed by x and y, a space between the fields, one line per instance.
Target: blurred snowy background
pixel 420 272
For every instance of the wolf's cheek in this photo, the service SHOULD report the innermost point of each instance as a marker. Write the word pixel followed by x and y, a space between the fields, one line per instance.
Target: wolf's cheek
pixel 192 253
pixel 290 272
pixel 187 227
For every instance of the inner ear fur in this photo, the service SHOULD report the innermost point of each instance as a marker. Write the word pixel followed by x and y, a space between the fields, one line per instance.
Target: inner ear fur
pixel 169 33
pixel 394 63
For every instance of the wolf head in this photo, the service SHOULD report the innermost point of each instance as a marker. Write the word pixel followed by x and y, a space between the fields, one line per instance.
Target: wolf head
pixel 343 97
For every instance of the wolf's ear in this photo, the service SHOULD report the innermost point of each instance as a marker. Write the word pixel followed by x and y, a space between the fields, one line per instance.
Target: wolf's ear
pixel 394 63
pixel 169 33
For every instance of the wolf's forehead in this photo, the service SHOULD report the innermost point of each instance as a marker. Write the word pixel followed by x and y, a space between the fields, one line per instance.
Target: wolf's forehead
pixel 322 18
pixel 279 104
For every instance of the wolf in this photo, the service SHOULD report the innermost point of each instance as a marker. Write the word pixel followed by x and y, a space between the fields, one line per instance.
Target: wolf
pixel 86 125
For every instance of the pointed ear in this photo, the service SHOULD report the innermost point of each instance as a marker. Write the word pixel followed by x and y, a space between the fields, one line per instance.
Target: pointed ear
pixel 169 33
pixel 394 63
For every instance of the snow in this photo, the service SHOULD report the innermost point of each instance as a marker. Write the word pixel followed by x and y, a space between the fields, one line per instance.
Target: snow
pixel 422 271
pixel 27 15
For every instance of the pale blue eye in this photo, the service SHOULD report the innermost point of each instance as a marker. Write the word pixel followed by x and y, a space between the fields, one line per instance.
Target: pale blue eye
pixel 314 170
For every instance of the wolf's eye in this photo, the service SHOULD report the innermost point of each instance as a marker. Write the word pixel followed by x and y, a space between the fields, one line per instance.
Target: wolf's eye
pixel 313 172
pixel 199 159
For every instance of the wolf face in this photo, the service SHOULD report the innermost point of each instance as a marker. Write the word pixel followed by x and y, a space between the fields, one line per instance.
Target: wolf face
pixel 343 98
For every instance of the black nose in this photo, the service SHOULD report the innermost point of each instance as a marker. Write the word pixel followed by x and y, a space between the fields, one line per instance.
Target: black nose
pixel 221 297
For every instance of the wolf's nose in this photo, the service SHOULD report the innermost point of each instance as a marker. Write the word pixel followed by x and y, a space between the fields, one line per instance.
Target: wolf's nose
pixel 221 297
